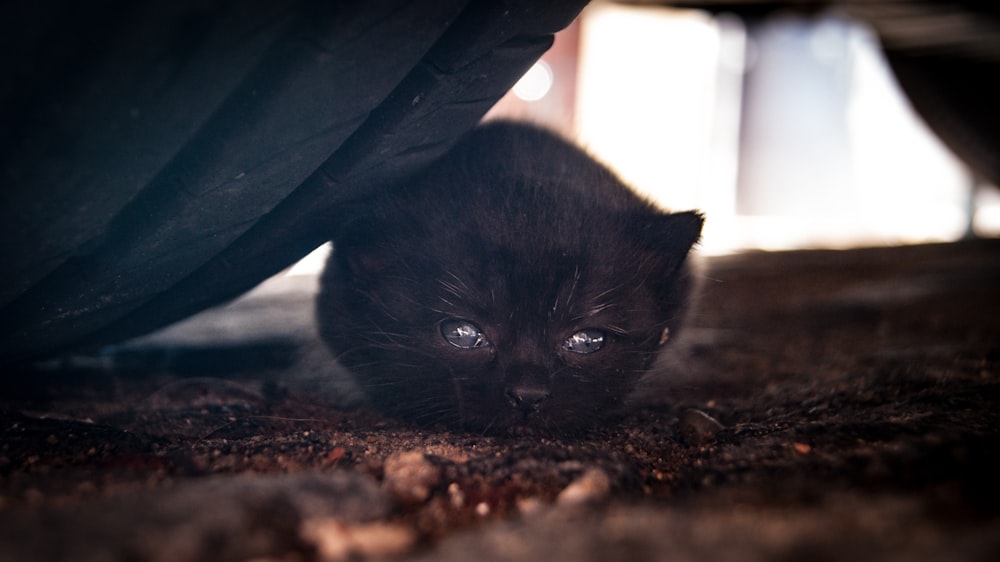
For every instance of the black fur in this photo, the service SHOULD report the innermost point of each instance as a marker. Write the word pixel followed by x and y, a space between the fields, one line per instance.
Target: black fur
pixel 529 238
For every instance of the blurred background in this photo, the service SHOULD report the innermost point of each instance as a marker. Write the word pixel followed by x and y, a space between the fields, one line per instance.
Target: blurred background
pixel 788 132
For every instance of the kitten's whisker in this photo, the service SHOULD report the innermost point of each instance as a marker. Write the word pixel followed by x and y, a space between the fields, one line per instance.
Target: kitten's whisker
pixel 572 288
pixel 490 425
pixel 458 279
pixel 607 292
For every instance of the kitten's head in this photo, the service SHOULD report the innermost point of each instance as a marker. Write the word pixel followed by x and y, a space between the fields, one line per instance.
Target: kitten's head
pixel 504 297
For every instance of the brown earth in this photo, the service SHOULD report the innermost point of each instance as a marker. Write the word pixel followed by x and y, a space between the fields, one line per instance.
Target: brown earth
pixel 832 405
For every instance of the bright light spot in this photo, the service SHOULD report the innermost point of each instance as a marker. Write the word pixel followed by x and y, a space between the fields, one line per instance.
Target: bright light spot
pixel 535 83
pixel 313 263
pixel 827 41
pixel 908 187
pixel 843 160
pixel 647 96
pixel 987 219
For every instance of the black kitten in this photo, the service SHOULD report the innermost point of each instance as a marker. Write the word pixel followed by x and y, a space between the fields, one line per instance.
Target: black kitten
pixel 514 283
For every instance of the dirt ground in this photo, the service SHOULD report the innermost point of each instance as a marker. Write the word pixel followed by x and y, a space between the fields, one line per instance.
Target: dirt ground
pixel 824 406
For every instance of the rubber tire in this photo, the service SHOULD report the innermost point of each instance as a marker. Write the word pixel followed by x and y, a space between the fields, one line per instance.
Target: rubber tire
pixel 163 158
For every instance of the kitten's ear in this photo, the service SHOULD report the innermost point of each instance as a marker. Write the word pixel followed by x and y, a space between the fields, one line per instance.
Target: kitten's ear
pixel 672 235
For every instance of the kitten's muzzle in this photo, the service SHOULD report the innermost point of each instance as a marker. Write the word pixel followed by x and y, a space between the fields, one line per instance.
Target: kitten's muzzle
pixel 527 399
pixel 526 385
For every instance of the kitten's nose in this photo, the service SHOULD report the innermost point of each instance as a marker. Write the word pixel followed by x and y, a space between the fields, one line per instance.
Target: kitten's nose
pixel 527 398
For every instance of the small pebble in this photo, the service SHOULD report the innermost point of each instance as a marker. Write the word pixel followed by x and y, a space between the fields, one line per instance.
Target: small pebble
pixel 410 477
pixel 335 541
pixel 335 454
pixel 592 486
pixel 456 495
pixel 697 428
pixel 528 506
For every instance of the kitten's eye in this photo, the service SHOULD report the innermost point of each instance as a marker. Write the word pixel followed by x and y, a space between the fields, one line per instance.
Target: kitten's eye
pixel 462 333
pixel 584 341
